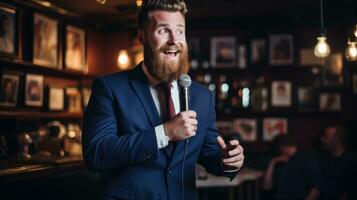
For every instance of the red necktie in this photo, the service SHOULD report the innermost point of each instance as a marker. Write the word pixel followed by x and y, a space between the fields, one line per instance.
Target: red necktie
pixel 166 106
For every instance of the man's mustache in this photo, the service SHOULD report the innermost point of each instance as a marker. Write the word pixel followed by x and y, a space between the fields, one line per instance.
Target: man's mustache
pixel 176 47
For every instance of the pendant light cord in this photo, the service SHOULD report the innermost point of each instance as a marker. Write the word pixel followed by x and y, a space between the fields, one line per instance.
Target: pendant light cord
pixel 353 12
pixel 322 17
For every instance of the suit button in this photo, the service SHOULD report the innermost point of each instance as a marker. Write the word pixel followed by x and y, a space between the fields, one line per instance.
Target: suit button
pixel 169 171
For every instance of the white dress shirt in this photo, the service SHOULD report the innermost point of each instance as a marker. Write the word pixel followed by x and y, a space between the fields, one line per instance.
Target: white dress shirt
pixel 161 138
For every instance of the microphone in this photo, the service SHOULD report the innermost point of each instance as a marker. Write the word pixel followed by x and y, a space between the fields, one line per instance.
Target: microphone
pixel 185 83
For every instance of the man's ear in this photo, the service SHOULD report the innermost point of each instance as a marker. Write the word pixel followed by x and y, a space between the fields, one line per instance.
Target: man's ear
pixel 140 34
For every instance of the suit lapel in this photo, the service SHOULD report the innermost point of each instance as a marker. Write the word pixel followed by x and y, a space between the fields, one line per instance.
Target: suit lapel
pixel 141 87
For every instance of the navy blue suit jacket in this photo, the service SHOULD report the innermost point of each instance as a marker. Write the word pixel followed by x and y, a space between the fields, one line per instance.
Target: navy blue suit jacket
pixel 119 140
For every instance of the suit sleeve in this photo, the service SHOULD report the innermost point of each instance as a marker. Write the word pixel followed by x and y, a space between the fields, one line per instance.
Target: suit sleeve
pixel 210 156
pixel 104 147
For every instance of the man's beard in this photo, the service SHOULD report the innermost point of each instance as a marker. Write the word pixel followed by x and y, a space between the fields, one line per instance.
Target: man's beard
pixel 162 70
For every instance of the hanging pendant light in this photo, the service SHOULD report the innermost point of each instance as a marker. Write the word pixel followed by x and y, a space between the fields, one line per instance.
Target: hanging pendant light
pixel 351 50
pixel 322 49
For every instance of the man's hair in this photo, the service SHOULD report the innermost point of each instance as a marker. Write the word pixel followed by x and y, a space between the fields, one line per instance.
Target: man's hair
pixel 152 5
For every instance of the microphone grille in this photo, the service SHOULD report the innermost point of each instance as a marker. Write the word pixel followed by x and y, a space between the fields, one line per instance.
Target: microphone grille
pixel 185 80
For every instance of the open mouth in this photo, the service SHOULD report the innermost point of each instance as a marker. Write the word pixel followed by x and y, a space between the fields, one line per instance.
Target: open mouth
pixel 171 53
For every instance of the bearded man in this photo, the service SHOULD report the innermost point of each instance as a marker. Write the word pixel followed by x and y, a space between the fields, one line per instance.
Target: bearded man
pixel 134 132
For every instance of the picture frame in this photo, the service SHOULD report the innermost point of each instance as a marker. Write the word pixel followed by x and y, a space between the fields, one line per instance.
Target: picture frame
pixel 306 98
pixel 45 41
pixel 274 126
pixel 330 101
pixel 73 99
pixel 242 56
pixel 9 90
pixel 281 49
pixel 332 72
pixel 281 93
pixel 75 54
pixel 354 83
pixel 55 99
pixel 34 90
pixel 8 37
pixel 223 51
pixel 246 128
pixel 260 99
pixel 258 51
pixel 308 58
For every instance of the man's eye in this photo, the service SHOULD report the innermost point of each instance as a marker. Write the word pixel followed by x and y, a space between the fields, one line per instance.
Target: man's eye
pixel 161 31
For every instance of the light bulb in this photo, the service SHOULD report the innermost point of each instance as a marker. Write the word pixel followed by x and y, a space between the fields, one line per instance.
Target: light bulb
pixel 322 49
pixel 351 51
pixel 139 3
pixel 123 59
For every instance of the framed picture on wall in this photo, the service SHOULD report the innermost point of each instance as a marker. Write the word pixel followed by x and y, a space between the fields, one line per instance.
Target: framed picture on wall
pixel 332 71
pixel 34 90
pixel 330 101
pixel 73 97
pixel 8 39
pixel 223 51
pixel 45 41
pixel 75 49
pixel 281 50
pixel 281 92
pixel 246 129
pixel 306 97
pixel 242 56
pixel 354 83
pixel 9 90
pixel 273 127
pixel 258 51
pixel 55 99
pixel 259 99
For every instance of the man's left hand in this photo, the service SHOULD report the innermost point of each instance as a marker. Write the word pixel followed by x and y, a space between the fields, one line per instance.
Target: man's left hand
pixel 232 153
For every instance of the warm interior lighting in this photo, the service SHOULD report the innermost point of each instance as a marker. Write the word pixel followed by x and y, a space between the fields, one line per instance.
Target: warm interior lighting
pixel 351 51
pixel 101 1
pixel 123 59
pixel 139 3
pixel 322 49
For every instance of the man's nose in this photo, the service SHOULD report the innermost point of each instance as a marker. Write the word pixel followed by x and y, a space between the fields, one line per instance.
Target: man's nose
pixel 172 39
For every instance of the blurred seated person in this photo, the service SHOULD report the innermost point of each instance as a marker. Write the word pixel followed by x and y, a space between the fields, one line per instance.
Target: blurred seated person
pixel 335 162
pixel 292 175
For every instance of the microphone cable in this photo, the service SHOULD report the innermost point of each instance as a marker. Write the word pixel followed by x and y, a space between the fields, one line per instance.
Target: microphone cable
pixel 183 170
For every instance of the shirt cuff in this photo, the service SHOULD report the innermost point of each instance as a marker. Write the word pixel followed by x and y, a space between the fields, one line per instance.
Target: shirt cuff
pixel 161 138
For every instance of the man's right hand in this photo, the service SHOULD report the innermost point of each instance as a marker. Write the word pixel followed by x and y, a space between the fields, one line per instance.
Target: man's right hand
pixel 182 126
